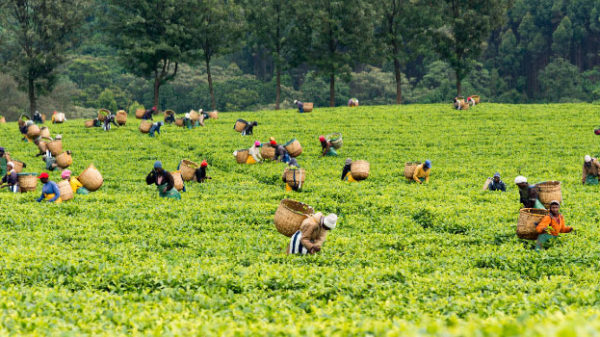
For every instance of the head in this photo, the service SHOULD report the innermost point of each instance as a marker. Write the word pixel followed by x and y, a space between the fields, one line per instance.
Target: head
pixel 154 108
pixel 273 142
pixel 66 174
pixel 348 162
pixel 58 137
pixel 322 138
pixel 158 166
pixel 554 207
pixel 256 143
pixel 295 101
pixel 496 177
pixel 187 115
pixel 587 160
pixel 597 132
pixel 44 177
pixel 521 181
pixel 330 221
pixel 293 163
pixel 427 164
pixel 255 123
pixel 1 151
pixel 10 165
pixel 204 164
pixel 54 112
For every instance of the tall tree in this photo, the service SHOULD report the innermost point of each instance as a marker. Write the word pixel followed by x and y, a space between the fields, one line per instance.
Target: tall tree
pixel 403 27
pixel 150 36
pixel 215 27
pixel 40 33
pixel 270 22
pixel 464 25
pixel 341 34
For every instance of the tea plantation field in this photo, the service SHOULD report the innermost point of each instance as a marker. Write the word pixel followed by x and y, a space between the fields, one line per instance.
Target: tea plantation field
pixel 406 260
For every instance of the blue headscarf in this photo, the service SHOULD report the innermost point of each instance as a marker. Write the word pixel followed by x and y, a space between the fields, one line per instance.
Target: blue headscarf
pixel 428 163
pixel 157 164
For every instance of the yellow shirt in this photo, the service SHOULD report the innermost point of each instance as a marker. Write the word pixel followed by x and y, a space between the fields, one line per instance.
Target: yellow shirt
pixel 420 172
pixel 75 184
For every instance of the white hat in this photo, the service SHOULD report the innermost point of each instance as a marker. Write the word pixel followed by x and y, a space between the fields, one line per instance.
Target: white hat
pixel 58 137
pixel 330 221
pixel 201 110
pixel 11 164
pixel 234 153
pixel 295 101
pixel 587 158
pixel 554 202
pixel 187 115
pixel 520 180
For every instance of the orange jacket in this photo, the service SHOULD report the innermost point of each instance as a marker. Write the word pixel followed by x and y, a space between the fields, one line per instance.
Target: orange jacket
pixel 558 225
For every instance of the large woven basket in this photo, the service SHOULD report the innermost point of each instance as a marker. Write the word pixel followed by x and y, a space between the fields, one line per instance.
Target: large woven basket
pixel 59 117
pixel 169 113
pixel 239 125
pixel 18 165
pixel 289 216
pixel 242 156
pixel 528 220
pixel 33 131
pixel 121 117
pixel 43 146
pixel 409 169
pixel 194 115
pixel 145 126
pixel 88 123
pixel 179 122
pixel 102 113
pixel 360 169
pixel 27 182
pixel 307 107
pixel 64 160
pixel 55 147
pixel 139 113
pixel 188 169
pixel 476 99
pixel 91 178
pixel 178 180
pixel 267 151
pixel 213 114
pixel 335 139
pixel 66 193
pixel 44 132
pixel 295 177
pixel 548 191
pixel 293 147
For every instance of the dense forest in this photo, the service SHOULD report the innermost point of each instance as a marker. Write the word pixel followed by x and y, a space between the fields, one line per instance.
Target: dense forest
pixel 74 55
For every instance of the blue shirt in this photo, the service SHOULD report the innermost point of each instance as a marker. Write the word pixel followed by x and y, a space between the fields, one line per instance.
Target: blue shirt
pixel 50 188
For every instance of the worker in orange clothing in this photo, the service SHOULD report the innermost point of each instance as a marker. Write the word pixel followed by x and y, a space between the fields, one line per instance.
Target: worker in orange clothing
pixel 551 225
pixel 422 171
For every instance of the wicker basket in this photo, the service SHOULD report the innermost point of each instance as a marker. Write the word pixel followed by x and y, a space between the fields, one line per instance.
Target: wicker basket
pixel 145 126
pixel 102 113
pixel 242 156
pixel 66 192
pixel 55 147
pixel 139 113
pixel 360 169
pixel 194 115
pixel 121 117
pixel 289 216
pixel 548 191
pixel 64 160
pixel 178 180
pixel 45 132
pixel 476 99
pixel 267 151
pixel 307 107
pixel 27 182
pixel 528 220
pixel 240 125
pixel 179 122
pixel 88 124
pixel 43 146
pixel 293 147
pixel 213 114
pixel 487 183
pixel 91 178
pixel 18 165
pixel 188 169
pixel 169 113
pixel 33 131
pixel 335 139
pixel 409 169
pixel 59 117
pixel 295 177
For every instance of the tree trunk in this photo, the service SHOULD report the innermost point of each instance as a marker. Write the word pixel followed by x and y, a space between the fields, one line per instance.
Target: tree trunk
pixel 31 92
pixel 332 90
pixel 156 90
pixel 213 103
pixel 278 89
pixel 398 74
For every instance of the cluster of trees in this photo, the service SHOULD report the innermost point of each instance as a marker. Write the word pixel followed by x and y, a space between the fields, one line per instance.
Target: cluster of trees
pixel 249 54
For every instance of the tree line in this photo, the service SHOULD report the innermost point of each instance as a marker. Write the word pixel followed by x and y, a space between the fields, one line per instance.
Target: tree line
pixel 239 54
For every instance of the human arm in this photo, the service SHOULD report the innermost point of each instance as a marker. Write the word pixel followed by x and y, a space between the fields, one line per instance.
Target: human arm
pixel 345 171
pixel 502 186
pixel 542 225
pixel 54 190
pixel 306 228
pixel 151 178
pixel 170 181
pixel 427 175
pixel 416 174
pixel 583 175
pixel 565 228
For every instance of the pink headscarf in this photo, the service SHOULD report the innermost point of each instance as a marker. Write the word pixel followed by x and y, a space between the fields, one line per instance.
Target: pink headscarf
pixel 65 174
